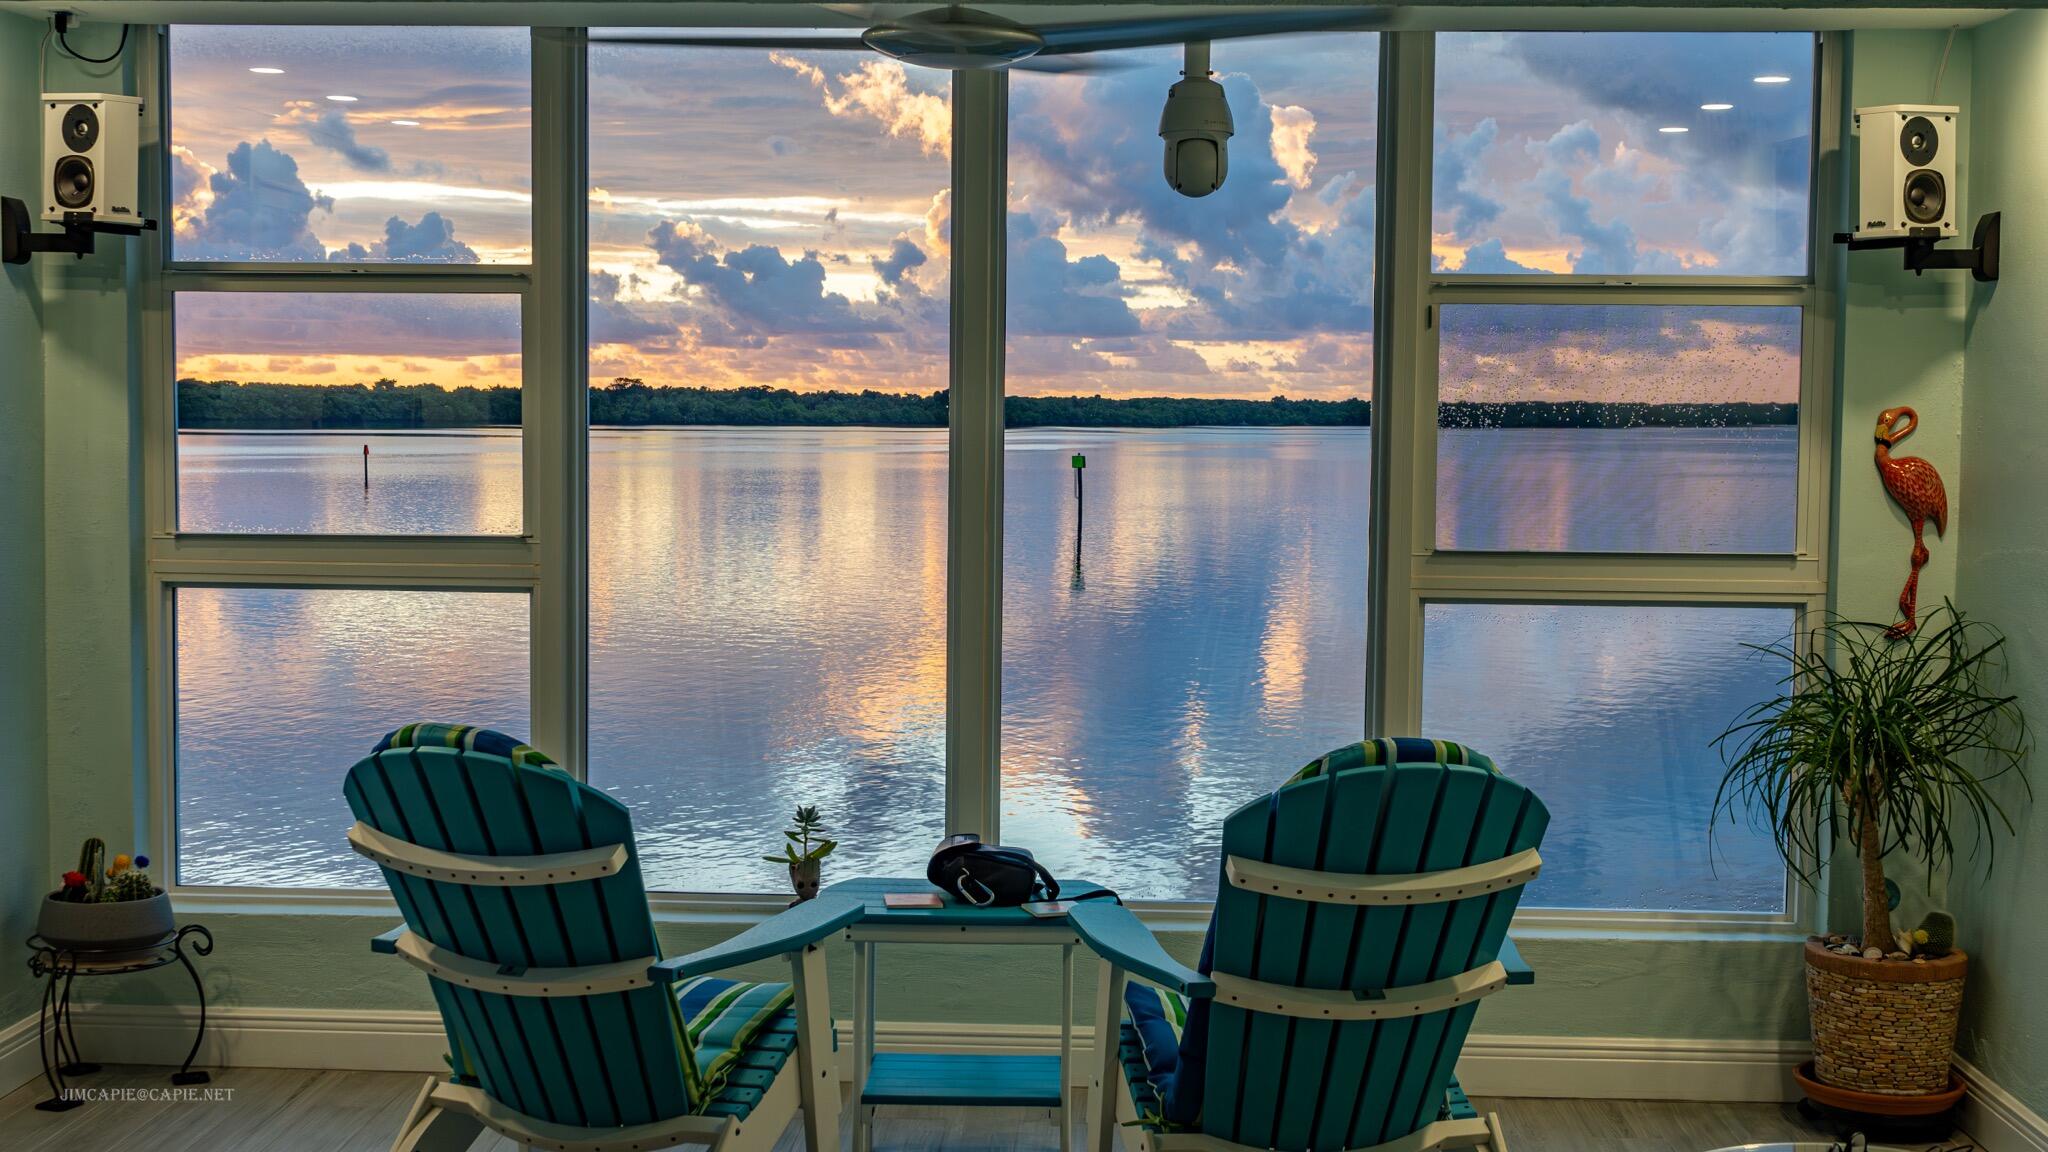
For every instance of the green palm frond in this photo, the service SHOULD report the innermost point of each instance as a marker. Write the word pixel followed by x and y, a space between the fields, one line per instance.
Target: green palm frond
pixel 1913 730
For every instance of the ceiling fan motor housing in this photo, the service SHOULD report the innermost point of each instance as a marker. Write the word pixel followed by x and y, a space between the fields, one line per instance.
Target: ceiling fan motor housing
pixel 1197 128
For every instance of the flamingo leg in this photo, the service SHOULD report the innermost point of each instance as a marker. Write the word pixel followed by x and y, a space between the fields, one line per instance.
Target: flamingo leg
pixel 1909 597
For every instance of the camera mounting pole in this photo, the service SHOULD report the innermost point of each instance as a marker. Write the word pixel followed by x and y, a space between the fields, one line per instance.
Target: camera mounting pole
pixel 1980 258
pixel 18 242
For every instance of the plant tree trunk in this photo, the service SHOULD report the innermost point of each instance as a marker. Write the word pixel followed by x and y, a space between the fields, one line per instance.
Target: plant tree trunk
pixel 1877 913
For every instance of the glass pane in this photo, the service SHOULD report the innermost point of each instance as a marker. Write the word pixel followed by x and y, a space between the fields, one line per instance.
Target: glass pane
pixel 279 691
pixel 328 412
pixel 1607 713
pixel 358 144
pixel 768 456
pixel 1617 428
pixel 1183 619
pixel 1653 153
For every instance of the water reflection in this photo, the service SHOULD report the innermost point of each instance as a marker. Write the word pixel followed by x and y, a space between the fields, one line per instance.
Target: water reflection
pixel 767 627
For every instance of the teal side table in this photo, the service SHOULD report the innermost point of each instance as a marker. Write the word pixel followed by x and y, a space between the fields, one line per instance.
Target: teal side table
pixel 950 1078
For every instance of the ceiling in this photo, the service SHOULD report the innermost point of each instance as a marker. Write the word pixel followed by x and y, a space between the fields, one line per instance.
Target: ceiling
pixel 1693 15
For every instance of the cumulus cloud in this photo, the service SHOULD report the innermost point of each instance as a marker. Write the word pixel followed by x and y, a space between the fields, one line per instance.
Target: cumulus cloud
pixel 1050 295
pixel 1456 176
pixel 756 293
pixel 260 209
pixel 903 256
pixel 1292 127
pixel 431 241
pixel 880 90
pixel 191 191
pixel 333 132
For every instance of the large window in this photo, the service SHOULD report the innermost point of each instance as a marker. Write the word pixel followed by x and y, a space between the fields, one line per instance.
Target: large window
pixel 1184 618
pixel 1616 492
pixel 621 395
pixel 768 455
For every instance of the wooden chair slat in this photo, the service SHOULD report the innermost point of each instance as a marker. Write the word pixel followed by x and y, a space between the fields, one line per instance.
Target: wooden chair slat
pixel 1353 821
pixel 1410 810
pixel 491 1022
pixel 1301 828
pixel 1459 797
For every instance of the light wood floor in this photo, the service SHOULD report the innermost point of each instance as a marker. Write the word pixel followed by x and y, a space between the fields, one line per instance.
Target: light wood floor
pixel 286 1110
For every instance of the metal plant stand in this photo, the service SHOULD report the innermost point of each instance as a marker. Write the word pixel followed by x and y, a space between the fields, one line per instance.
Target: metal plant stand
pixel 57 1043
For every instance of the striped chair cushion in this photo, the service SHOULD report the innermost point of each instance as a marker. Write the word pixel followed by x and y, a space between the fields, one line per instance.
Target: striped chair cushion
pixel 467 737
pixel 1180 1095
pixel 722 1017
pixel 1393 750
pixel 1158 1018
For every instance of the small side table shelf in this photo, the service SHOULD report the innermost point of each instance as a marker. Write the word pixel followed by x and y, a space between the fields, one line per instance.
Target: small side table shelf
pixel 57 1043
pixel 959 1080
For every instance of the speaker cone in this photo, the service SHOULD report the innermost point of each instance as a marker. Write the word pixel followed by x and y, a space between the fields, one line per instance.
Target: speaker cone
pixel 1919 141
pixel 81 127
pixel 71 181
pixel 1926 196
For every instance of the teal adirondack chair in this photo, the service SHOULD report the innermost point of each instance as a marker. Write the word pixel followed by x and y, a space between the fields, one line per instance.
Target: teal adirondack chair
pixel 1362 913
pixel 567 1031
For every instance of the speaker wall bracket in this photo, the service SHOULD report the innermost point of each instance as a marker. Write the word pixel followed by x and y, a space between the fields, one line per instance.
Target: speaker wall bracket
pixel 18 241
pixel 1980 259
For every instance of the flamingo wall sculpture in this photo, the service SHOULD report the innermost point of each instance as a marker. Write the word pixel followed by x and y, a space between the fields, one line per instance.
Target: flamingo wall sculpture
pixel 1916 486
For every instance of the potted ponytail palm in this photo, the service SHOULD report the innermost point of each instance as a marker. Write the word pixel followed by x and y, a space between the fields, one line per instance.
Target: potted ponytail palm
pixel 1883 744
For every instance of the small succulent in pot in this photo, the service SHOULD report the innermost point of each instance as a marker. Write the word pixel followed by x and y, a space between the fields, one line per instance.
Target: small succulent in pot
pixel 805 851
pixel 105 905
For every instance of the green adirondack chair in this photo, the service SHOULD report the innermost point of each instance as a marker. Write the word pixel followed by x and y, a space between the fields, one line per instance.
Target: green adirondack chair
pixel 567 1031
pixel 1362 913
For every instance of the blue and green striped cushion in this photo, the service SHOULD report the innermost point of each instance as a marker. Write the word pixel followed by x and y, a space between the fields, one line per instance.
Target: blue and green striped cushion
pixel 467 737
pixel 721 1017
pixel 1392 750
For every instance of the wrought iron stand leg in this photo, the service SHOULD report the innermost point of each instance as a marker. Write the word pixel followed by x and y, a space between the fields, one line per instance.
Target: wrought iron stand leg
pixel 78 1065
pixel 48 1038
pixel 184 1074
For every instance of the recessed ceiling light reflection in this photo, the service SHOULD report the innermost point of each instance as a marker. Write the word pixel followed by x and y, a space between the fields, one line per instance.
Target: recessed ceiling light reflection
pixel 1673 130
pixel 1774 80
pixel 1715 107
pixel 268 71
pixel 343 99
pixel 407 123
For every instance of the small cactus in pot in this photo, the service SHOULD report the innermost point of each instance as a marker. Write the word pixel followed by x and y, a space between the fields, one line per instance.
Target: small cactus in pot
pixel 106 905
pixel 804 852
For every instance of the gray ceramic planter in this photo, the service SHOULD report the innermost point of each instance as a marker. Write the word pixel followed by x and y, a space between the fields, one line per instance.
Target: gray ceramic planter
pixel 126 925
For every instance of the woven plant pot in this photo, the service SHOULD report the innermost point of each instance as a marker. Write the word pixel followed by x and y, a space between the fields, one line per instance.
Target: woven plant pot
pixel 1886 1027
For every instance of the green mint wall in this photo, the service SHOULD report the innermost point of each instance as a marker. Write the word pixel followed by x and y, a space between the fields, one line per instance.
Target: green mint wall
pixel 24 799
pixel 2002 549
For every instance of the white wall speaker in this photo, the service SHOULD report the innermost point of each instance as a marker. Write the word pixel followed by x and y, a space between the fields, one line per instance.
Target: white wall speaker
pixel 90 156
pixel 1907 162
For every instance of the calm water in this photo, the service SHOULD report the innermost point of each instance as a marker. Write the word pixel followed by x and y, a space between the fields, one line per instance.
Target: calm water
pixel 768 627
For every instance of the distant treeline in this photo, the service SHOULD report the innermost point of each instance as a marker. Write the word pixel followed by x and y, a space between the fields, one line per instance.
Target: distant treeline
pixel 627 401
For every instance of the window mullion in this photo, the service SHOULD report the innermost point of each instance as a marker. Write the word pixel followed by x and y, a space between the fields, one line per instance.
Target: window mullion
pixel 1403 463
pixel 974 530
pixel 555 403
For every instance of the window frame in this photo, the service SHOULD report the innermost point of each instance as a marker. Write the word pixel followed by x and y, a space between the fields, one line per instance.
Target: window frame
pixel 548 561
pixel 1413 572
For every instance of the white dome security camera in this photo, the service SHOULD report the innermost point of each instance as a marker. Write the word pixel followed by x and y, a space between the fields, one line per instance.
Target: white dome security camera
pixel 1196 127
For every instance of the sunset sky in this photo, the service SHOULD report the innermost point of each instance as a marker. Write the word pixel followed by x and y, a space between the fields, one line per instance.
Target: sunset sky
pixel 782 218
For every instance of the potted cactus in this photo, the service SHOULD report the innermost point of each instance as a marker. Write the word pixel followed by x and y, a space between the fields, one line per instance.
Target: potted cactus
pixel 1882 742
pixel 106 905
pixel 805 852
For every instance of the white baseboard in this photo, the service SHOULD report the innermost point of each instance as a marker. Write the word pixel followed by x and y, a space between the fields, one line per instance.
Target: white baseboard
pixel 19 1063
pixel 1995 1118
pixel 1493 1065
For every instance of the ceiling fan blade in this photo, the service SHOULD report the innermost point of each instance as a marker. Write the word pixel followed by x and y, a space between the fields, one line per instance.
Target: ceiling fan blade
pixel 1104 35
pixel 1073 65
pixel 805 42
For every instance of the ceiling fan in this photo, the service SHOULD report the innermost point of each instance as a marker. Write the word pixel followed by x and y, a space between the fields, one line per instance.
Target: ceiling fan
pixel 1195 124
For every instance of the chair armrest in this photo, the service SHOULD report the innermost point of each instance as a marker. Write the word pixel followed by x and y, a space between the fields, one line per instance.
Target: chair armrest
pixel 779 935
pixel 386 943
pixel 1115 933
pixel 1519 971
